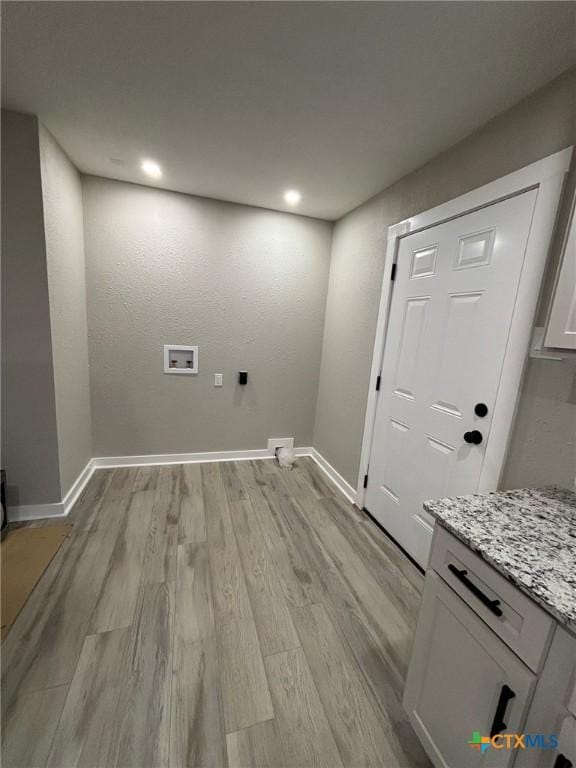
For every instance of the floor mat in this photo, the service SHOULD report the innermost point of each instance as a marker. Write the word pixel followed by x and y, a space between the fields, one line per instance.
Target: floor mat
pixel 25 554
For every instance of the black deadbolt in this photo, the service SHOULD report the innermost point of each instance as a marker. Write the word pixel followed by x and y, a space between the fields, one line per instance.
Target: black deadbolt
pixel 474 437
pixel 481 409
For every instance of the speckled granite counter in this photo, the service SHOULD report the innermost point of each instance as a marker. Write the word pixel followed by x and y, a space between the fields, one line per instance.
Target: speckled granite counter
pixel 528 535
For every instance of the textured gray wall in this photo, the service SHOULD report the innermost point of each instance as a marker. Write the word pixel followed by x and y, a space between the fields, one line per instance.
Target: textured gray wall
pixel 29 436
pixel 543 446
pixel 538 126
pixel 64 232
pixel 245 284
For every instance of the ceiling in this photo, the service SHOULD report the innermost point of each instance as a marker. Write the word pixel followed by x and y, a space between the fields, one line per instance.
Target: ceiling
pixel 240 101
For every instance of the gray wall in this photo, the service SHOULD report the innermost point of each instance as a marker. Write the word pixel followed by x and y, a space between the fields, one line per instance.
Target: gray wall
pixel 538 126
pixel 63 220
pixel 29 436
pixel 245 284
pixel 254 288
pixel 543 445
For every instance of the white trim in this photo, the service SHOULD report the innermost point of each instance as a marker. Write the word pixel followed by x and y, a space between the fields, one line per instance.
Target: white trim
pixel 547 175
pixel 519 337
pixel 188 458
pixel 35 512
pixel 218 456
pixel 561 333
pixel 525 178
pixel 61 509
pixel 27 512
pixel 394 232
pixel 343 485
pixel 78 486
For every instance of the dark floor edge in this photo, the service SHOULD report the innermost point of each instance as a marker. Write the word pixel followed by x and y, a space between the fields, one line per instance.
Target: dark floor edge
pixel 393 540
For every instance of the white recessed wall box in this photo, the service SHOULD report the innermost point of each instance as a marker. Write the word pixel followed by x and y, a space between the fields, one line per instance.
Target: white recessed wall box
pixel 279 442
pixel 180 359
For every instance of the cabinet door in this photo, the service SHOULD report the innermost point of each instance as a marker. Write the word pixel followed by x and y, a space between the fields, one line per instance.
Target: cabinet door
pixel 561 331
pixel 456 681
pixel 554 705
pixel 566 753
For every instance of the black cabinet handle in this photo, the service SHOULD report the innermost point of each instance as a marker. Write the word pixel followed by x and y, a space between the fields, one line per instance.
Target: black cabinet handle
pixel 498 724
pixel 462 575
pixel 563 762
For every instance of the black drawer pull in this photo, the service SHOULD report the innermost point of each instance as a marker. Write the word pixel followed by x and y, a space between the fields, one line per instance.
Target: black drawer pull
pixel 492 605
pixel 498 724
pixel 562 762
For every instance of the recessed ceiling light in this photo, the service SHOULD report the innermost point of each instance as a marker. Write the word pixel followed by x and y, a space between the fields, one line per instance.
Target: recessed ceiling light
pixel 151 168
pixel 292 196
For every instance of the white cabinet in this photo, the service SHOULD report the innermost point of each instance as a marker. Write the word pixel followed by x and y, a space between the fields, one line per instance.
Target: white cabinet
pixel 561 330
pixel 462 680
pixel 523 626
pixel 487 660
pixel 553 708
pixel 566 752
pixel 563 756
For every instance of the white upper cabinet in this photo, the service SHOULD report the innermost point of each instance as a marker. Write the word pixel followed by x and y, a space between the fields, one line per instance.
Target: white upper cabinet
pixel 561 330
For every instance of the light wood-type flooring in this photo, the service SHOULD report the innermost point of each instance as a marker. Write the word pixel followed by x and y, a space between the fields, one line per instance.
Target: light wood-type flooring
pixel 226 614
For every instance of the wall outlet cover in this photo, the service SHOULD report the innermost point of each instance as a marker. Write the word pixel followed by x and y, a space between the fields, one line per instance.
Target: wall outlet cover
pixel 279 442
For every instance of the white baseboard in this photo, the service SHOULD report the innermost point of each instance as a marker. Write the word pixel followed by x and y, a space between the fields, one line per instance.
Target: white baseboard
pixel 78 486
pixel 61 509
pixel 161 459
pixel 187 458
pixel 58 509
pixel 35 512
pixel 343 485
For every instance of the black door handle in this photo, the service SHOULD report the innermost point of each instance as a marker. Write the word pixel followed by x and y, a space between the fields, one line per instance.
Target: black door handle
pixel 481 410
pixel 474 437
pixel 562 762
pixel 462 575
pixel 498 724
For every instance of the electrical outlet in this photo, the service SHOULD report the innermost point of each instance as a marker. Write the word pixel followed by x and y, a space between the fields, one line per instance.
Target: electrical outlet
pixel 218 379
pixel 279 442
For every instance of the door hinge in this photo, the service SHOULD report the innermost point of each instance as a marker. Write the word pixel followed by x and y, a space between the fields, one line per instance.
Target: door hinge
pixel 378 379
pixel 393 273
pixel 365 481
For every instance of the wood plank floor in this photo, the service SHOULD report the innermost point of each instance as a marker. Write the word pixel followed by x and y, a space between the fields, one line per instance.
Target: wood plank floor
pixel 214 615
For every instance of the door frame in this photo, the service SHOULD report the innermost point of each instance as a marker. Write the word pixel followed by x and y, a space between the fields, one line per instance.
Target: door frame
pixel 547 176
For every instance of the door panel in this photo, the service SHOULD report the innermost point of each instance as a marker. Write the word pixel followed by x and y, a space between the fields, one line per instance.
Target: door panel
pixel 455 350
pixel 410 344
pixel 449 321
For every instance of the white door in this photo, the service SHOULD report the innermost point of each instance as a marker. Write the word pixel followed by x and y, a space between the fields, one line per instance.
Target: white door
pixel 450 316
pixel 462 680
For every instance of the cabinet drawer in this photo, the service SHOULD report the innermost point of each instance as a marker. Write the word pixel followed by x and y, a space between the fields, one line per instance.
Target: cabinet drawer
pixel 521 624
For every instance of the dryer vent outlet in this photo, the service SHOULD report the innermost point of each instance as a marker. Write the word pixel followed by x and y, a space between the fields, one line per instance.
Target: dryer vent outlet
pixel 279 442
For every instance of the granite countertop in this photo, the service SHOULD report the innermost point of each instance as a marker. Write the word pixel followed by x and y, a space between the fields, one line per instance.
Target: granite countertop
pixel 528 535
